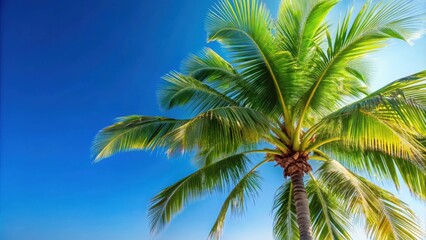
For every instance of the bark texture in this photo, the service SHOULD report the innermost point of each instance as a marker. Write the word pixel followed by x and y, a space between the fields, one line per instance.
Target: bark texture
pixel 302 206
pixel 294 162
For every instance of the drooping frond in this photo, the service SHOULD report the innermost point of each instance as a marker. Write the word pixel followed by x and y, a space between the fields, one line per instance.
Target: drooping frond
pixel 247 188
pixel 181 90
pixel 217 176
pixel 386 216
pixel 134 133
pixel 329 219
pixel 395 220
pixel 381 166
pixel 413 176
pixel 385 167
pixel 209 66
pixel 244 29
pixel 224 128
pixel 206 156
pixel 390 120
pixel 219 74
pixel 285 219
pixel 369 31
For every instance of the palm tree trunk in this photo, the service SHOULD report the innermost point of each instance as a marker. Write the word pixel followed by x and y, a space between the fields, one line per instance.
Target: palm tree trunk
pixel 302 207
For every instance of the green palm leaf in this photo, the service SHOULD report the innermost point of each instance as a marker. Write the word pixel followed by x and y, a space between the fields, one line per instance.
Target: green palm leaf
pixel 224 128
pixel 378 165
pixel 370 30
pixel 219 74
pixel 386 216
pixel 180 90
pixel 285 219
pixel 209 155
pixel 134 133
pixel 329 219
pixel 208 66
pixel 301 26
pixel 390 120
pixel 413 176
pixel 247 187
pixel 300 29
pixel 244 28
pixel 217 176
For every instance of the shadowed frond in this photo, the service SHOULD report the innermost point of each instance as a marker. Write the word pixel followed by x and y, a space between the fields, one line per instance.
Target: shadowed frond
pixel 223 128
pixel 285 219
pixel 217 176
pixel 247 188
pixel 386 216
pixel 134 133
pixel 329 219
pixel 207 156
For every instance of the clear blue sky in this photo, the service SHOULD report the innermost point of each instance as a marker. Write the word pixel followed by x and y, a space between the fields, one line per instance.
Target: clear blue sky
pixel 68 68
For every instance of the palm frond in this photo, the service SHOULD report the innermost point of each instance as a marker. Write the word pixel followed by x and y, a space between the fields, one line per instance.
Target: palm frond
pixel 390 120
pixel 371 29
pixel 217 176
pixel 386 216
pixel 395 219
pixel 247 187
pixel 301 25
pixel 413 176
pixel 206 156
pixel 208 66
pixel 217 73
pixel 300 30
pixel 134 133
pixel 285 218
pixel 181 90
pixel 244 29
pixel 365 131
pixel 224 128
pixel 380 166
pixel 329 219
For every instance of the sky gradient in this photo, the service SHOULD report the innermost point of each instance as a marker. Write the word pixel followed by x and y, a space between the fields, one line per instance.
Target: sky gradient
pixel 68 68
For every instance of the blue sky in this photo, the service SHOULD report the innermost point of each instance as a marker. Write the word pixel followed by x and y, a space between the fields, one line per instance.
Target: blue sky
pixel 68 68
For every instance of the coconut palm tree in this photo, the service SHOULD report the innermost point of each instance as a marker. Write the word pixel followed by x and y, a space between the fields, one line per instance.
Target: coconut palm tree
pixel 295 90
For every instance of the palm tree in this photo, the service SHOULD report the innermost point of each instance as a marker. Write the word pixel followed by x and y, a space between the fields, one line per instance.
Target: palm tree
pixel 297 94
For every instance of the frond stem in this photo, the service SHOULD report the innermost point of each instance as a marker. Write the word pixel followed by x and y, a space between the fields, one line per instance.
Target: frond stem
pixel 282 135
pixel 322 154
pixel 266 150
pixel 319 158
pixel 308 135
pixel 305 108
pixel 315 146
pixel 278 144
